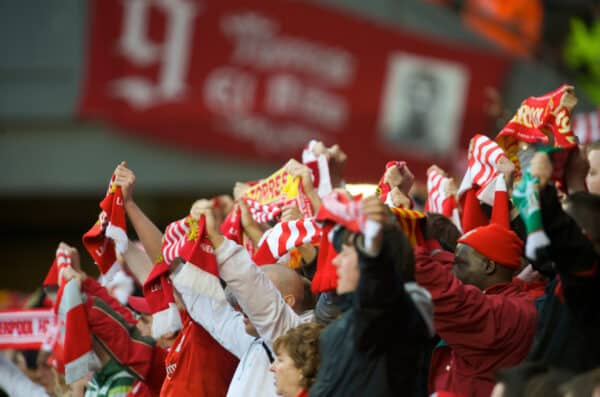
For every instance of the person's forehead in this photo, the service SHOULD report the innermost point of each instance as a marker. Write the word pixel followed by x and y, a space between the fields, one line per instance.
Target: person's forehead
pixel 465 251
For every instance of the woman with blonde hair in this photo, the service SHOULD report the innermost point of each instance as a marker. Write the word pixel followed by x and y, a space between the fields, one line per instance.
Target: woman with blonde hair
pixel 297 361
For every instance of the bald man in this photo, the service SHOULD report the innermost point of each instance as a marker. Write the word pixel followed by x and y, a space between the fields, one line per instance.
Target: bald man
pixel 270 300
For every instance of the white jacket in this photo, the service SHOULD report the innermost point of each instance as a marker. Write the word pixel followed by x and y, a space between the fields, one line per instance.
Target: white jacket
pixel 260 300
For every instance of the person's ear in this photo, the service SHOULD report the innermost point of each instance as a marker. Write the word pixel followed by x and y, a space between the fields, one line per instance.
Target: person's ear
pixel 489 266
pixel 290 300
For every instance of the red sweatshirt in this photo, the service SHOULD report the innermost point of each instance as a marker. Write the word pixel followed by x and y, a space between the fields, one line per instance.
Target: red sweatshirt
pixel 485 330
pixel 195 365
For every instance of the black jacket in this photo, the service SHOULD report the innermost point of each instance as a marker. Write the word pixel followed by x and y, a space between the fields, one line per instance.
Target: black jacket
pixel 363 353
pixel 569 324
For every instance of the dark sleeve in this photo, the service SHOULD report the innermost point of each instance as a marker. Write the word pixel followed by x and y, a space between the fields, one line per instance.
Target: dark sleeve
pixel 570 250
pixel 381 300
pixel 575 258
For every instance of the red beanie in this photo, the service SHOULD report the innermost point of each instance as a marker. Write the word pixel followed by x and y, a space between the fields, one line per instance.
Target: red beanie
pixel 497 243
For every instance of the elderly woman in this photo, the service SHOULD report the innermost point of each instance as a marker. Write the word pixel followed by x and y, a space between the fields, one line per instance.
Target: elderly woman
pixel 297 362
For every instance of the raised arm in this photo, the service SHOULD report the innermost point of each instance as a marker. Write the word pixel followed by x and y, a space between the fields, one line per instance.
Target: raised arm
pixel 148 233
pixel 138 263
pixel 217 317
pixel 381 300
pixel 464 316
pixel 256 294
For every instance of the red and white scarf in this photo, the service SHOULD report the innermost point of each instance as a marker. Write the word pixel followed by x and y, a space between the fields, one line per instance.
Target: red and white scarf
pixel 158 291
pixel 384 188
pixel 335 209
pixel 319 166
pixel 545 119
pixel 483 158
pixel 283 237
pixel 27 329
pixel 78 356
pixel 72 347
pixel 186 239
pixel 108 236
pixel 438 201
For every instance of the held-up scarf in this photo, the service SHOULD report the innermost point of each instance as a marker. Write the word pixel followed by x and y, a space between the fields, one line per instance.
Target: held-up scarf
pixel 108 236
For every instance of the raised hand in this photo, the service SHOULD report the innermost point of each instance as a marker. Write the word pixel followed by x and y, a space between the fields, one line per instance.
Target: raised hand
pixel 290 213
pixel 297 169
pixel 399 176
pixel 337 161
pixel 125 178
pixel 541 167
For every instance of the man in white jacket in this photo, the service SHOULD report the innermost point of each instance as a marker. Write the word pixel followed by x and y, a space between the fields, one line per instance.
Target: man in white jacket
pixel 271 302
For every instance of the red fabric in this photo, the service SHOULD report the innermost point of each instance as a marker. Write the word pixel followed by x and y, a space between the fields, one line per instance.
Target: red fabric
pixel 411 223
pixel 109 234
pixel 325 278
pixel 285 236
pixel 25 329
pixel 437 199
pixel 500 209
pixel 223 92
pixel 231 228
pixel 197 365
pixel 302 393
pixel 77 341
pixel 384 189
pixel 541 118
pixel 139 304
pixel 338 208
pixel 449 207
pixel 144 359
pixel 486 331
pixel 158 289
pixel 93 288
pixel 140 389
pixel 497 243
pixel 535 289
pixel 61 261
pixel 472 214
pixel 187 239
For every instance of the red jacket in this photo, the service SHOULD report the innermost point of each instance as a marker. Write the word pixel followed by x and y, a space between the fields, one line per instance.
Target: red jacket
pixel 485 330
pixel 197 365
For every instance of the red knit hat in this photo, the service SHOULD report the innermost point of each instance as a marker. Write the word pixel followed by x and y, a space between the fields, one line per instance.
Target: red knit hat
pixel 497 243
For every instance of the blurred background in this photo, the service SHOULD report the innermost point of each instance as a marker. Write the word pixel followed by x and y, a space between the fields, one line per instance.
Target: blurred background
pixel 196 95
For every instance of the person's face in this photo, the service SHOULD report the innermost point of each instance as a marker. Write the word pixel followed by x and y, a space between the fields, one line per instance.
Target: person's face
pixel 592 179
pixel 346 263
pixel 288 377
pixel 468 265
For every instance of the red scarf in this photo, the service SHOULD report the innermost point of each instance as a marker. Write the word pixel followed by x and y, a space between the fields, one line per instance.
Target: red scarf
pixel 26 329
pixel 108 236
pixel 283 237
pixel 545 119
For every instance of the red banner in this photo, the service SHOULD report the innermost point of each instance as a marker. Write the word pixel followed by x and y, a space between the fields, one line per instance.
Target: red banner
pixel 260 78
